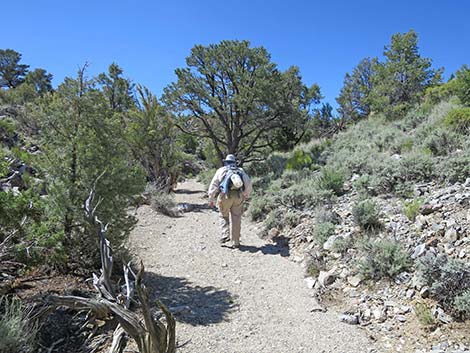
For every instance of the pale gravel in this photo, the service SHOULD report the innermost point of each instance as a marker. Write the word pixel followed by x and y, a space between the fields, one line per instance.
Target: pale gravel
pixel 251 300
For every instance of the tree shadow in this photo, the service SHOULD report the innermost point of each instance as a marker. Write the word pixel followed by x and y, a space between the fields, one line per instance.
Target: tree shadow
pixel 189 302
pixel 188 192
pixel 186 207
pixel 280 247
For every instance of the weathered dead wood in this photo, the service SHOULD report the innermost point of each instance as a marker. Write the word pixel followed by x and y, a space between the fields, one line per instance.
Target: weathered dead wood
pixel 150 334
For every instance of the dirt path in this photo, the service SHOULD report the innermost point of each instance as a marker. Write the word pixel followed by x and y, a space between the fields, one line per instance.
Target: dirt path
pixel 250 300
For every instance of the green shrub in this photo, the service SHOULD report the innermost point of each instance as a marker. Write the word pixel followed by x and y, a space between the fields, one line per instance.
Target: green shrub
pixel 459 120
pixel 383 258
pixel 411 208
pixel 17 334
pixel 280 218
pixel 455 168
pixel 415 167
pixel 462 303
pixel 299 160
pixel 342 244
pixel 441 142
pixel 304 195
pixel 325 215
pixel 274 164
pixel 205 177
pixel 449 281
pixel 260 206
pixel 323 231
pixel 424 314
pixel 160 201
pixel 330 179
pixel 367 215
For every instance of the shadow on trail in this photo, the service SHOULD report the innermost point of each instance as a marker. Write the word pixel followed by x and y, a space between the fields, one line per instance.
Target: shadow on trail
pixel 189 192
pixel 268 249
pixel 193 207
pixel 190 303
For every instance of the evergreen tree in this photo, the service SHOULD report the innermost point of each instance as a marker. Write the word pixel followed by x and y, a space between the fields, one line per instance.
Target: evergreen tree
pixel 83 147
pixel 401 80
pixel 118 90
pixel 12 73
pixel 353 99
pixel 40 80
pixel 235 96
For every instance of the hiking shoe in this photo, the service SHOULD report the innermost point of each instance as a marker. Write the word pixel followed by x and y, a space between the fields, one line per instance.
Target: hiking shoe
pixel 224 240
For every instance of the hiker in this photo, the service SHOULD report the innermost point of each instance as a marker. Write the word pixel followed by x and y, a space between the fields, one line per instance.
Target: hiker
pixel 232 186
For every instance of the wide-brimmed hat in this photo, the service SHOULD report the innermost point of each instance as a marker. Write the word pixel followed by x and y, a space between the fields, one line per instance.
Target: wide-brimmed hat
pixel 230 159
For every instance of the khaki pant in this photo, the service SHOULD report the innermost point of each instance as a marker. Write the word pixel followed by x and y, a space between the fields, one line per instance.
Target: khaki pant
pixel 230 205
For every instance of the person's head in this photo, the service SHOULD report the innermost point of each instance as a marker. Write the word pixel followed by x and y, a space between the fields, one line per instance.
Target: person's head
pixel 230 160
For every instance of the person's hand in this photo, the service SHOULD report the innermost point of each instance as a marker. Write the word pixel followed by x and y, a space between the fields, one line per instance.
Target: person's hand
pixel 211 204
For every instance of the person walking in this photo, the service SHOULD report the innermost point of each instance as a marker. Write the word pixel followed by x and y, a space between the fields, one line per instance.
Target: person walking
pixel 231 186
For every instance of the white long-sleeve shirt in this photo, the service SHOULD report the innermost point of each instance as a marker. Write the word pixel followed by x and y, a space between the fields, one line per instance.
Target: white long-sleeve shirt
pixel 219 177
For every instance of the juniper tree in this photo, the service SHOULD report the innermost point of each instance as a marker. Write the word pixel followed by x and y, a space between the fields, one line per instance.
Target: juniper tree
pixel 234 95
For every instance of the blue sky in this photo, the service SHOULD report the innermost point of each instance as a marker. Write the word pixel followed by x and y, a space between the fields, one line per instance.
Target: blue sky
pixel 149 39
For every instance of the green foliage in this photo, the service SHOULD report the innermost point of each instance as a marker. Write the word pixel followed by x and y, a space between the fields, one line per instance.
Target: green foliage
pixel 402 79
pixel 221 95
pixel 12 73
pixel 83 148
pixel 331 179
pixel 299 160
pixel 205 177
pixel 459 120
pixel 461 85
pixel 117 90
pixel 424 314
pixel 342 244
pixel 260 206
pixel 449 280
pixel 411 208
pixel 313 269
pixel 40 80
pixel 160 201
pixel 18 335
pixel 456 167
pixel 323 231
pixel 366 214
pixel 153 140
pixel 304 195
pixel 354 95
pixel 441 142
pixel 383 258
pixel 462 303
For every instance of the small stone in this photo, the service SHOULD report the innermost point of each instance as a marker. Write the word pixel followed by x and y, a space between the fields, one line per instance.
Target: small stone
pixel 325 278
pixel 328 245
pixel 419 250
pixel 273 232
pixel 426 209
pixel 310 282
pixel 451 235
pixel 349 319
pixel 410 293
pixel 354 280
pixel 420 222
pixel 224 265
pixel 379 314
pixel 400 318
pixel 441 315
pixel 424 292
pixel 403 277
pixel 462 253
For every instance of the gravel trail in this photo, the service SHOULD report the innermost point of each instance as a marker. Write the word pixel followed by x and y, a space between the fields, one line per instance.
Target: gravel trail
pixel 250 300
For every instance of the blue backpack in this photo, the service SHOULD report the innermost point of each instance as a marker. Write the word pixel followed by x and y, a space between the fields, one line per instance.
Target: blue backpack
pixel 233 180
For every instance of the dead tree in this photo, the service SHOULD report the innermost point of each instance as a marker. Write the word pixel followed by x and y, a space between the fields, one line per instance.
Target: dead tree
pixel 151 335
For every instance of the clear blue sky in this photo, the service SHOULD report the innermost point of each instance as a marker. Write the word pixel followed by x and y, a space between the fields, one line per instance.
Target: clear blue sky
pixel 149 39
